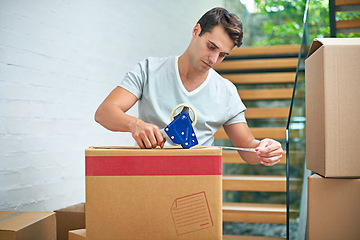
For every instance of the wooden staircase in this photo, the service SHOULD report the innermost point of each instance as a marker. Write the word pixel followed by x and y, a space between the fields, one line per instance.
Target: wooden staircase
pixel 260 74
pixel 344 26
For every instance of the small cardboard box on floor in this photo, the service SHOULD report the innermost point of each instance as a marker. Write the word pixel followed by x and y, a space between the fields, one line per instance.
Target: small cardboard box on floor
pixel 333 208
pixel 332 85
pixel 69 218
pixel 169 193
pixel 79 234
pixel 27 225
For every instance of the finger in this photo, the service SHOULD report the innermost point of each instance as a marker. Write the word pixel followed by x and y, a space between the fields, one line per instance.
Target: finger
pixel 159 137
pixel 163 143
pixel 152 141
pixel 270 160
pixel 266 145
pixel 273 153
pixel 269 164
pixel 269 148
pixel 140 143
pixel 146 141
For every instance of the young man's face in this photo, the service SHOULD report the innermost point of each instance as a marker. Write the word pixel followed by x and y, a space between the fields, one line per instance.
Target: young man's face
pixel 209 49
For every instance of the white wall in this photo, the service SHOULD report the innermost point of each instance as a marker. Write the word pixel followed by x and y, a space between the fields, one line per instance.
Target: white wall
pixel 58 60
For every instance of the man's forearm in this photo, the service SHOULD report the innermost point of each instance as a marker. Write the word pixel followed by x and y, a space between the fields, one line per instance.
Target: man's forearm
pixel 251 157
pixel 113 118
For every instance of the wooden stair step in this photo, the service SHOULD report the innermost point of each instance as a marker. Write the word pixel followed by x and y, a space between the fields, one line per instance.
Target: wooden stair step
pixel 256 78
pixel 238 237
pixel 256 183
pixel 259 94
pixel 346 2
pixel 258 133
pixel 266 50
pixel 254 212
pixel 341 24
pixel 262 113
pixel 253 64
pixel 234 157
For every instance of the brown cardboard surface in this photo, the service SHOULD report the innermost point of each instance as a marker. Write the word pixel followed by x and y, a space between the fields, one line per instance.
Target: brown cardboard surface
pixel 27 226
pixel 332 81
pixel 69 218
pixel 79 234
pixel 152 206
pixel 333 208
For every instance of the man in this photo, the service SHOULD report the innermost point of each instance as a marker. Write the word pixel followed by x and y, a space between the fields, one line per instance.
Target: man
pixel 160 84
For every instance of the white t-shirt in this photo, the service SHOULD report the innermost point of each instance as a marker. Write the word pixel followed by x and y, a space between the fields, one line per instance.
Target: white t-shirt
pixel 157 85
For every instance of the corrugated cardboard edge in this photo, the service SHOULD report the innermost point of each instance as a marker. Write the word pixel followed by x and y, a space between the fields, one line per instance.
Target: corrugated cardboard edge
pixel 315 131
pixel 166 151
pixel 318 42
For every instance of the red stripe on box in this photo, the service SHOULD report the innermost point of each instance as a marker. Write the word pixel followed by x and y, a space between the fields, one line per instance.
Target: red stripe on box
pixel 153 165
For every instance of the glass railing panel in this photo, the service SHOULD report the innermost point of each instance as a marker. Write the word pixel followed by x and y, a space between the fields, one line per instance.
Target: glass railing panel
pixel 296 146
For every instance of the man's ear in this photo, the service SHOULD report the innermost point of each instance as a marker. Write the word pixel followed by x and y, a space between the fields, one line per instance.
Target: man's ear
pixel 196 30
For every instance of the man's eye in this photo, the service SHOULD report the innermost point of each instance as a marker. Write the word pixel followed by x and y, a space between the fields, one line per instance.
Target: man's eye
pixel 211 47
pixel 222 55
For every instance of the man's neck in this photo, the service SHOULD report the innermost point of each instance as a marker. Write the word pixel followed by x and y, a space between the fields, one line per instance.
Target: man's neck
pixel 190 77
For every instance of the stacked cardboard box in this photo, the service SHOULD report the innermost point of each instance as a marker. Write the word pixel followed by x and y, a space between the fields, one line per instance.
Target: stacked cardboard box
pixel 69 218
pixel 332 80
pixel 27 225
pixel 79 234
pixel 169 193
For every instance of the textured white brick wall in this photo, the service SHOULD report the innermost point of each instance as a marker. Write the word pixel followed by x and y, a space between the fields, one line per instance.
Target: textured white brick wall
pixel 58 60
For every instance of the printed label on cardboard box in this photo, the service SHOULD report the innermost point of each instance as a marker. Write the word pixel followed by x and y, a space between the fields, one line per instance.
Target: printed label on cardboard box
pixel 191 213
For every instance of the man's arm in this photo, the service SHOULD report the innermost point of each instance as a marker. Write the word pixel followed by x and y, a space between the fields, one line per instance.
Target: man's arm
pixel 111 114
pixel 268 151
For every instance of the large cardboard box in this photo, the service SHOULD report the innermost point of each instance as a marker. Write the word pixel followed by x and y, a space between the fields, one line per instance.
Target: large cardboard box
pixel 169 193
pixel 27 225
pixel 332 85
pixel 79 234
pixel 69 218
pixel 333 208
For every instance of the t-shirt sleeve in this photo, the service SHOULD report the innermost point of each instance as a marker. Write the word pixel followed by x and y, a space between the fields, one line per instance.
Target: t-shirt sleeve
pixel 236 108
pixel 135 80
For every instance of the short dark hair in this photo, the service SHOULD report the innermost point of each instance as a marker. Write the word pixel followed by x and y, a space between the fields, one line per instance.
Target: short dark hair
pixel 220 16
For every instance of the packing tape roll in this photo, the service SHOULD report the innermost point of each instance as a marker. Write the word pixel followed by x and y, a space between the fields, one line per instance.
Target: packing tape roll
pixel 184 105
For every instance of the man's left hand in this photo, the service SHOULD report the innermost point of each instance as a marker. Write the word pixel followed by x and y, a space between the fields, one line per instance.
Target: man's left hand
pixel 269 152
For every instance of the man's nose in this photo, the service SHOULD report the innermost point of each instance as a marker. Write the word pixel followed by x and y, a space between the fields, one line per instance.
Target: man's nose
pixel 213 57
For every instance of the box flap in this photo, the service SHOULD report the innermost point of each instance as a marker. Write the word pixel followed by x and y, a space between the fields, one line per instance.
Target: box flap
pixel 19 220
pixel 74 208
pixel 318 42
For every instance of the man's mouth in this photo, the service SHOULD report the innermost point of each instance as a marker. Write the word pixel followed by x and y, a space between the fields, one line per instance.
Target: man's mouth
pixel 207 64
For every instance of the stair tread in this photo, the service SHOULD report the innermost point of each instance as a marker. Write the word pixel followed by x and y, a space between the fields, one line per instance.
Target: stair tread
pixel 254 207
pixel 354 23
pixel 265 50
pixel 256 64
pixel 273 132
pixel 259 113
pixel 254 183
pixel 254 177
pixel 238 237
pixel 254 78
pixel 259 94
pixel 346 2
pixel 254 212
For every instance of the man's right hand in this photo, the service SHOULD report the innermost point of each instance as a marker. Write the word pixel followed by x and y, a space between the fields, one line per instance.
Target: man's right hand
pixel 146 135
pixel 111 115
